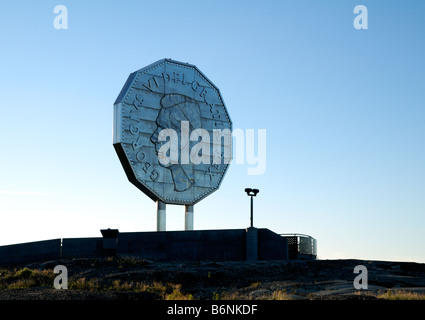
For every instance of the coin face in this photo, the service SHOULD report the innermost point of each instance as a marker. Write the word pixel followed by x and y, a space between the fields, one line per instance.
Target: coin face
pixel 172 132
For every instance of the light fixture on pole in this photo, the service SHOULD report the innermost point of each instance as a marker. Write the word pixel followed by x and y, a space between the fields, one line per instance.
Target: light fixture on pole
pixel 252 193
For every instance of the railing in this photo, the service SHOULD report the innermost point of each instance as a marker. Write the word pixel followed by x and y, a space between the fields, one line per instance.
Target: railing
pixel 301 246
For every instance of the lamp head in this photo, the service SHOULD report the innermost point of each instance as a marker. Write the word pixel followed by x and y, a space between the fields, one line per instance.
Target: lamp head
pixel 251 192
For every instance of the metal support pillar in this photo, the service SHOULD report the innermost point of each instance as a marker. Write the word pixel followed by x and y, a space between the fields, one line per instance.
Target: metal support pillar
pixel 188 217
pixel 252 212
pixel 160 216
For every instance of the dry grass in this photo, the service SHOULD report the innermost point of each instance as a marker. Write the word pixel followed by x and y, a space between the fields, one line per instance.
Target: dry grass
pixel 25 278
pixel 253 295
pixel 401 295
pixel 280 295
pixel 255 284
pixel 83 284
pixel 29 278
pixel 168 291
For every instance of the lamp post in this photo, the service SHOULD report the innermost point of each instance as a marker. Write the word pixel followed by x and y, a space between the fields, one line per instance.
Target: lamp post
pixel 252 193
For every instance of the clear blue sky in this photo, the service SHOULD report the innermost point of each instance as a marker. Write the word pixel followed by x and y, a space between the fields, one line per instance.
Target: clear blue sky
pixel 344 111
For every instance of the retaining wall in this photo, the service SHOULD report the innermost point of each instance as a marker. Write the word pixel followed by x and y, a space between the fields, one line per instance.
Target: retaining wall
pixel 82 247
pixel 218 245
pixel 30 251
pixel 184 245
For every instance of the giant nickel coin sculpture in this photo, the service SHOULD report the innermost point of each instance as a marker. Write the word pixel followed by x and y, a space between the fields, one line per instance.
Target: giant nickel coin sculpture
pixel 172 134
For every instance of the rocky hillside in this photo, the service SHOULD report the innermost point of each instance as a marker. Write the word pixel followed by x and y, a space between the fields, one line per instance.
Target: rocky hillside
pixel 128 278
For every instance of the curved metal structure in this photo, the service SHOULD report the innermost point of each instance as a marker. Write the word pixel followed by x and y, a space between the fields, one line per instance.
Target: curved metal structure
pixel 301 246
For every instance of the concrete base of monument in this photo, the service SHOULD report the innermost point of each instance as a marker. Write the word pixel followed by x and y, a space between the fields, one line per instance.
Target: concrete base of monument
pixel 249 244
pixel 217 245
